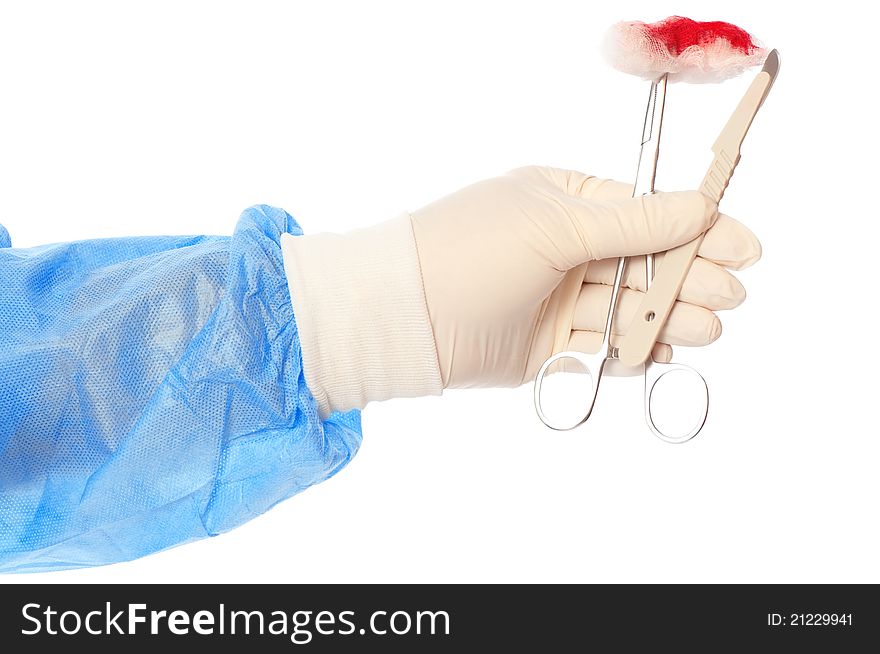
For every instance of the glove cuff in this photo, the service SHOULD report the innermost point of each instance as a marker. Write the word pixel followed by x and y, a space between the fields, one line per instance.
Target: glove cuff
pixel 363 322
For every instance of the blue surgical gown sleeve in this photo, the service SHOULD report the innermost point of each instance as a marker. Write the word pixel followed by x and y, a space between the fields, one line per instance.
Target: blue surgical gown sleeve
pixel 151 394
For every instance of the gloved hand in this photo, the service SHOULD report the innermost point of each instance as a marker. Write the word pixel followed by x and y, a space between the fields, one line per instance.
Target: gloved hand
pixel 480 287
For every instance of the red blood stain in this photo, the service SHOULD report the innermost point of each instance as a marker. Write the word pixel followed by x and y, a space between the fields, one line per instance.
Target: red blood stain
pixel 678 33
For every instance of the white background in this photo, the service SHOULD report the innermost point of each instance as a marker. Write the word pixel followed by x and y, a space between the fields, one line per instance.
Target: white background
pixel 172 117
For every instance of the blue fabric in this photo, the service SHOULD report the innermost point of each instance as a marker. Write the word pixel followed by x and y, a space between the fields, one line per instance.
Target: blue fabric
pixel 151 394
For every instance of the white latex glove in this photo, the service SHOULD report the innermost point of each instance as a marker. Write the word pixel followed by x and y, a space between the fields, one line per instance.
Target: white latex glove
pixel 480 287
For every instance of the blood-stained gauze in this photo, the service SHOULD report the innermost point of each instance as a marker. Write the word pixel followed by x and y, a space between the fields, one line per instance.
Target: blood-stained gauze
pixel 685 49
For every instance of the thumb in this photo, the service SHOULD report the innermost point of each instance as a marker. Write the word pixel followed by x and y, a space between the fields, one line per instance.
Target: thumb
pixel 632 226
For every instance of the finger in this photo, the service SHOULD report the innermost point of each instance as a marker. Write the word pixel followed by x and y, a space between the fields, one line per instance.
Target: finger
pixel 731 244
pixel 707 284
pixel 728 242
pixel 662 352
pixel 650 223
pixel 687 324
pixel 589 342
pixel 607 222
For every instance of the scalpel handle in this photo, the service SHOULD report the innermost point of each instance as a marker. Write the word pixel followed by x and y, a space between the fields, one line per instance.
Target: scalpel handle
pixel 658 301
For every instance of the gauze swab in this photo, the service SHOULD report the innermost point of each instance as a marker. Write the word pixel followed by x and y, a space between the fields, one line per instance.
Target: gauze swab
pixel 686 50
